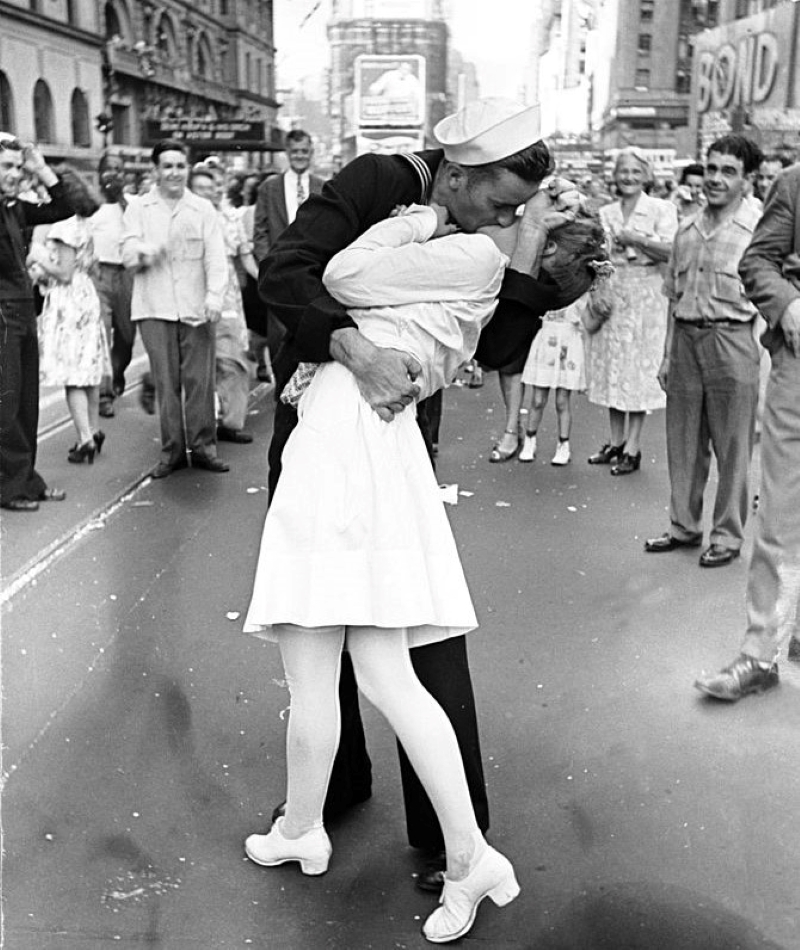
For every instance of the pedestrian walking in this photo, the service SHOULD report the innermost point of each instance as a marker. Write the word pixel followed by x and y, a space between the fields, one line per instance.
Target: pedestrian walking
pixel 771 275
pixel 173 244
pixel 711 360
pixel 504 138
pixel 21 486
pixel 72 340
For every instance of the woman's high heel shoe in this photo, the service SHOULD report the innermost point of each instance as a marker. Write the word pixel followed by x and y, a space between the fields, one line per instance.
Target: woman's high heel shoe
pixel 313 849
pixel 99 438
pixel 82 453
pixel 492 877
pixel 499 454
pixel 627 464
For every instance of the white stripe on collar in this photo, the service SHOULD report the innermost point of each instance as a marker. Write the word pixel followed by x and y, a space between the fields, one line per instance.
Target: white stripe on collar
pixel 424 173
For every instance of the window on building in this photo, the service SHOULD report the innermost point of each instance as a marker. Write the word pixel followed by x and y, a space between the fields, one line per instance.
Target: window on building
pixel 43 112
pixel 204 58
pixel 223 7
pixel 645 43
pixel 642 80
pixel 248 71
pixel 683 81
pixel 79 116
pixel 121 130
pixel 646 10
pixel 166 42
pixel 117 20
pixel 7 118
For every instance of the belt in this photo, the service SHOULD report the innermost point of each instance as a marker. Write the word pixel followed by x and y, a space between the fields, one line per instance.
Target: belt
pixel 110 264
pixel 706 324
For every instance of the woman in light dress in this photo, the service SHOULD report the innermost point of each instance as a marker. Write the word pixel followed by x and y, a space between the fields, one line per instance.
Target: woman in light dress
pixel 72 341
pixel 357 549
pixel 624 355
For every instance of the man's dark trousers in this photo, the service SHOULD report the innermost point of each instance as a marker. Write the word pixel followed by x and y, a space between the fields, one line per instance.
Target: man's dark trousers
pixel 19 401
pixel 442 669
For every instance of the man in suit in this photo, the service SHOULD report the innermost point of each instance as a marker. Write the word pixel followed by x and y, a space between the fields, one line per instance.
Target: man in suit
pixel 491 161
pixel 770 271
pixel 277 201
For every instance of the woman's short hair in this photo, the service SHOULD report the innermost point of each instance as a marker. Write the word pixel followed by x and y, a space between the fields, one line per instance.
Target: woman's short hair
pixel 581 241
pixel 636 153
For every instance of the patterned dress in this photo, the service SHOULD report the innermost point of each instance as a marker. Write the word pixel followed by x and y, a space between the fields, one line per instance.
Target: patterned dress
pixel 73 349
pixel 556 357
pixel 624 355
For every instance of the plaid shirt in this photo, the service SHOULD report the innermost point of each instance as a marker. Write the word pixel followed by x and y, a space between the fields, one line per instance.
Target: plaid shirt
pixel 703 272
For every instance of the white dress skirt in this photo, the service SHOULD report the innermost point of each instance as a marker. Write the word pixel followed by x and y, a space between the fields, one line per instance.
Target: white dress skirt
pixel 357 533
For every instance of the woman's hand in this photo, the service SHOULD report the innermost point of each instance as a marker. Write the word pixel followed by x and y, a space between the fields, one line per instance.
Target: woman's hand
pixel 443 224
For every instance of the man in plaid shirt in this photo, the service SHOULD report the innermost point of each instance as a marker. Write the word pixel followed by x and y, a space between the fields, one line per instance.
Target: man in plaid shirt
pixel 711 359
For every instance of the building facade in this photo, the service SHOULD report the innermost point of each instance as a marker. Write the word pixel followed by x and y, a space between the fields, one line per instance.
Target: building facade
pixel 51 84
pixel 641 82
pixel 389 74
pixel 746 76
pixel 79 75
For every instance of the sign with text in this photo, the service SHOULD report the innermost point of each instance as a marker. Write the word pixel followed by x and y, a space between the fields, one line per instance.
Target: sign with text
pixel 745 76
pixel 209 133
pixel 389 91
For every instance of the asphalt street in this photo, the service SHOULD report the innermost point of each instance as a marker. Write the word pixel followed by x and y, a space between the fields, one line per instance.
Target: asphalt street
pixel 143 733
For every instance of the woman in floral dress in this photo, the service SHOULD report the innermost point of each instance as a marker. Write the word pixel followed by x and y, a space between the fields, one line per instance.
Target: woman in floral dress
pixel 624 355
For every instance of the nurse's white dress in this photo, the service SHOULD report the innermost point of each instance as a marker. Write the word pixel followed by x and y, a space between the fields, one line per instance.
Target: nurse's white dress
pixel 356 533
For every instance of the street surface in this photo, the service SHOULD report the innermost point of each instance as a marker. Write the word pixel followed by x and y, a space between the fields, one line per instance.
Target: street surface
pixel 143 733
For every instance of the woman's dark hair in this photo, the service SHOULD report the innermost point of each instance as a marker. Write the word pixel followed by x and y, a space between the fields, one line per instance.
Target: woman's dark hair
pixel 695 168
pixel 532 164
pixel 235 190
pixel 581 241
pixel 78 192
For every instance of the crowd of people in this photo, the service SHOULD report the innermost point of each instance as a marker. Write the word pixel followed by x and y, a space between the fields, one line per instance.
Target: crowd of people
pixel 362 298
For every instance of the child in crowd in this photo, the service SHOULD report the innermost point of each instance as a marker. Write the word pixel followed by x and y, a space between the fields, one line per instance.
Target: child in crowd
pixel 72 341
pixel 555 361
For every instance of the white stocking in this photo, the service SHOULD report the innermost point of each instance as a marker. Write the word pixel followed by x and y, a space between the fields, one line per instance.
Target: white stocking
pixel 385 675
pixel 312 660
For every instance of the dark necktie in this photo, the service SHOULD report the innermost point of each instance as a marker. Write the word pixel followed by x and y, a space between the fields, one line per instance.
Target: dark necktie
pixel 301 192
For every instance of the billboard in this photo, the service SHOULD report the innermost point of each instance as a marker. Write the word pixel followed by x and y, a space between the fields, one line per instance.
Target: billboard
pixel 746 78
pixel 389 141
pixel 389 91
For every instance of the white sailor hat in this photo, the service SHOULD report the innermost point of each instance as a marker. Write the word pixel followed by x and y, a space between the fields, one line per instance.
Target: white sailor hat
pixel 487 130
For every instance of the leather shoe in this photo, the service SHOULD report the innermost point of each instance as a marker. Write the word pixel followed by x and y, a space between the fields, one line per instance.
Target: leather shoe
pixel 717 556
pixel 491 876
pixel 668 542
pixel 163 469
pixel 21 504
pixel 209 463
pixel 744 676
pixel 431 879
pixel 224 434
